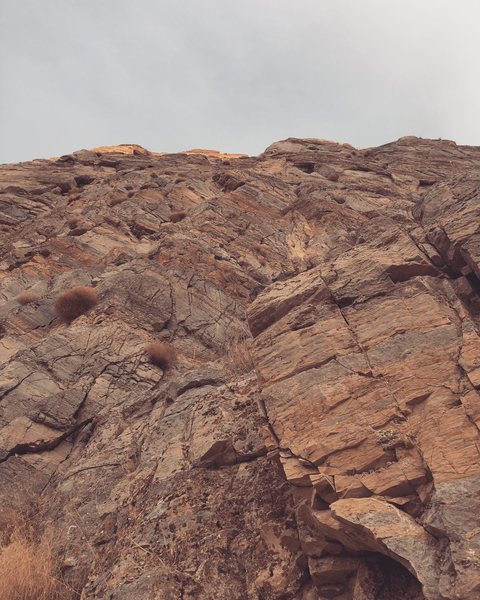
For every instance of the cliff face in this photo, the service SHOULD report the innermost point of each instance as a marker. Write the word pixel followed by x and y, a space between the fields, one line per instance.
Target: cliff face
pixel 318 436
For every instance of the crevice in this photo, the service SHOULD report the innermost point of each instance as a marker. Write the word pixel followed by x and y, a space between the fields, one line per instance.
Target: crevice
pixel 407 271
pixel 305 368
pixel 474 281
pixel 219 462
pixel 306 166
pixel 304 461
pixel 250 456
pixel 264 412
pixel 455 267
pixel 197 384
pixel 278 447
pixel 14 387
pixel 44 445
pixel 68 475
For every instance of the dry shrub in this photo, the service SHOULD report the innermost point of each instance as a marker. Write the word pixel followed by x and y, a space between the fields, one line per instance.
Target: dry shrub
pixel 74 302
pixel 239 359
pixel 177 216
pixel 29 571
pixel 29 566
pixel 161 355
pixel 27 297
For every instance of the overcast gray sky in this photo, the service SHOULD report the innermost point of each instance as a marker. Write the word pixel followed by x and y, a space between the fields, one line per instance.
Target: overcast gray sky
pixel 234 75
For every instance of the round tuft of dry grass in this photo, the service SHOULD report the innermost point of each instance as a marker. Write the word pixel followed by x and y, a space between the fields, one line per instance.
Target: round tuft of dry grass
pixel 74 302
pixel 161 355
pixel 27 298
pixel 177 216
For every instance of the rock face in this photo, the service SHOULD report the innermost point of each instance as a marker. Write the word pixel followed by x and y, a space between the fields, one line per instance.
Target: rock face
pixel 318 435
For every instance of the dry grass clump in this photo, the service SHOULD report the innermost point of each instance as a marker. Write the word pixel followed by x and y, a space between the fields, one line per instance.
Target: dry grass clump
pixel 29 567
pixel 161 355
pixel 74 302
pixel 177 216
pixel 27 298
pixel 29 571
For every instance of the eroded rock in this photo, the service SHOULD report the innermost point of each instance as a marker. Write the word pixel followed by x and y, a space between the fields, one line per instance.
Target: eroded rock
pixel 318 436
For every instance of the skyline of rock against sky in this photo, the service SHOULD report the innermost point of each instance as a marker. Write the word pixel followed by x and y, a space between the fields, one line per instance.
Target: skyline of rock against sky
pixel 233 76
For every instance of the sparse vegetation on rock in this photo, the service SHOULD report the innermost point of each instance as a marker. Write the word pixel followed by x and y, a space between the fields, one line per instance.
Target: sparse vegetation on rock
pixel 29 567
pixel 318 331
pixel 27 297
pixel 161 355
pixel 74 302
pixel 177 216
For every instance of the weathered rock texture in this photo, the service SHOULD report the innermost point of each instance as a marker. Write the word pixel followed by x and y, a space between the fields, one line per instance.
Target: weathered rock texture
pixel 318 436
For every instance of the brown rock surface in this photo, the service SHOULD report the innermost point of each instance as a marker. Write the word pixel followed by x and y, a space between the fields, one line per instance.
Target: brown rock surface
pixel 318 434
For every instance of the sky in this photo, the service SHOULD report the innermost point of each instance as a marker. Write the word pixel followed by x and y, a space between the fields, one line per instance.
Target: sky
pixel 234 75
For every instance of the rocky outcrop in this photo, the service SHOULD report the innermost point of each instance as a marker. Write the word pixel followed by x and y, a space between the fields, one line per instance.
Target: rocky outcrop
pixel 318 435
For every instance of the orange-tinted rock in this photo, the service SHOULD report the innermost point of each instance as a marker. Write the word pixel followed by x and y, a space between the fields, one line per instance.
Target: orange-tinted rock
pixel 318 436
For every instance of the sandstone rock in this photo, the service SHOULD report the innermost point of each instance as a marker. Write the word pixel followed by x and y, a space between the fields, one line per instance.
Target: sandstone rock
pixel 319 434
